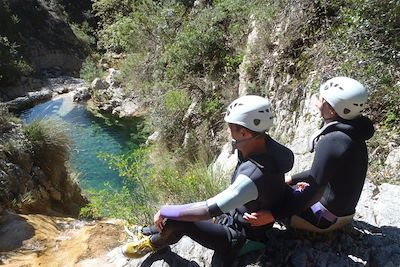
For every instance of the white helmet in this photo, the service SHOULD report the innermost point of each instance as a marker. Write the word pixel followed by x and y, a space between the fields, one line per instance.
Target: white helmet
pixel 346 96
pixel 250 111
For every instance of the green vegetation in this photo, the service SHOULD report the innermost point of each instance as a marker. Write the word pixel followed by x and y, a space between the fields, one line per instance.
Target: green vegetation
pixel 364 44
pixel 89 70
pixel 12 62
pixel 183 62
pixel 178 53
pixel 40 144
pixel 49 143
pixel 147 184
pixel 6 117
pixel 84 33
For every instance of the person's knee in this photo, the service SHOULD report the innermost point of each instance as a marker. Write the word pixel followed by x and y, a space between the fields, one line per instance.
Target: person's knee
pixel 176 229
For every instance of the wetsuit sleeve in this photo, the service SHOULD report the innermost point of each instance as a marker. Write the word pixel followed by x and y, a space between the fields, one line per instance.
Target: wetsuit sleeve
pixel 240 192
pixel 188 212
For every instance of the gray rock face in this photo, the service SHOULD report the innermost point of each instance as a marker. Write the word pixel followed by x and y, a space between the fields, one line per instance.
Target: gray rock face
pixel 33 98
pixel 99 84
pixel 226 161
pixel 81 94
pixel 47 41
pixel 109 97
pixel 379 205
pixel 392 165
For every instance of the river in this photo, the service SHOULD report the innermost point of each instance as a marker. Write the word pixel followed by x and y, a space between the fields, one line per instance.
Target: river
pixel 91 135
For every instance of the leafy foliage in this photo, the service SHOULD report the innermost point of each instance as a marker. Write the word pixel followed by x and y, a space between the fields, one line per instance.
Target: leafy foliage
pixel 173 45
pixel 89 70
pixel 12 64
pixel 147 185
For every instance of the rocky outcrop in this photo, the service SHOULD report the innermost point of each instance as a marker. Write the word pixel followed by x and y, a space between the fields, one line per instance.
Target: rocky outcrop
pixel 39 240
pixel 31 99
pixel 392 165
pixel 108 96
pixel 33 179
pixel 50 87
pixel 372 240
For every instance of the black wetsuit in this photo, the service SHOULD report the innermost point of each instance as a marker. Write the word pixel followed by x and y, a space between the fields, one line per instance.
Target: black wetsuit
pixel 265 172
pixel 338 173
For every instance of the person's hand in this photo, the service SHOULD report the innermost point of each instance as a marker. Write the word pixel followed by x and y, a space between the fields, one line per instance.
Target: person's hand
pixel 288 180
pixel 300 186
pixel 259 218
pixel 158 221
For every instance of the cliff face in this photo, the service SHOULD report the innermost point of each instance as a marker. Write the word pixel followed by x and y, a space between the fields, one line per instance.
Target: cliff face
pixel 41 40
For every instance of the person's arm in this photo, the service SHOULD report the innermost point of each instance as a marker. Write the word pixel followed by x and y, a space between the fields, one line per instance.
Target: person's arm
pixel 237 194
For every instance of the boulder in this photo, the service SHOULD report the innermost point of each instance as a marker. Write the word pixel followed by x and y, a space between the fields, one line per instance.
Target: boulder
pixel 392 164
pixel 131 108
pixel 153 138
pixel 111 77
pixel 81 94
pixel 99 84
pixel 226 161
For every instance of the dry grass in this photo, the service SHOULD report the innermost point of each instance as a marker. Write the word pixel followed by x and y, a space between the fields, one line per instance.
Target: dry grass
pixel 50 145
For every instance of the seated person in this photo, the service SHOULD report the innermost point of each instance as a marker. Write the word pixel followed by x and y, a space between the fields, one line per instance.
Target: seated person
pixel 329 191
pixel 257 183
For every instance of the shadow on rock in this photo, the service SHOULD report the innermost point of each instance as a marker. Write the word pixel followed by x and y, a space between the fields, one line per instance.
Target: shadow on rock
pixel 14 229
pixel 170 258
pixel 359 244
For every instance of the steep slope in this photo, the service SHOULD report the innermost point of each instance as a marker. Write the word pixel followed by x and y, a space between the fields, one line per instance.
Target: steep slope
pixel 35 40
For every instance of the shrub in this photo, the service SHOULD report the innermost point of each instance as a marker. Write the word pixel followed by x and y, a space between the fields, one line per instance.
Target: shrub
pixel 84 33
pixel 89 70
pixel 147 185
pixel 112 203
pixel 176 101
pixel 12 64
pixel 49 144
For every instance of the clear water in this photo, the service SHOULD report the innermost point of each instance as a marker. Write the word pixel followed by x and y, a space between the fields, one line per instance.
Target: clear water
pixel 91 135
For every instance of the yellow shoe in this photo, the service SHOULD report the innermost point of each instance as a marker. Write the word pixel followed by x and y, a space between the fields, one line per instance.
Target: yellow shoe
pixel 138 249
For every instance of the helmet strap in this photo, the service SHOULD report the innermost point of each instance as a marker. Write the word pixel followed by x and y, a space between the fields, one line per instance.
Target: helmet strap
pixel 235 142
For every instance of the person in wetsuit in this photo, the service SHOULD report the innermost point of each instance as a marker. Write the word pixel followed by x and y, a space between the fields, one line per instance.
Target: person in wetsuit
pixel 329 191
pixel 257 183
